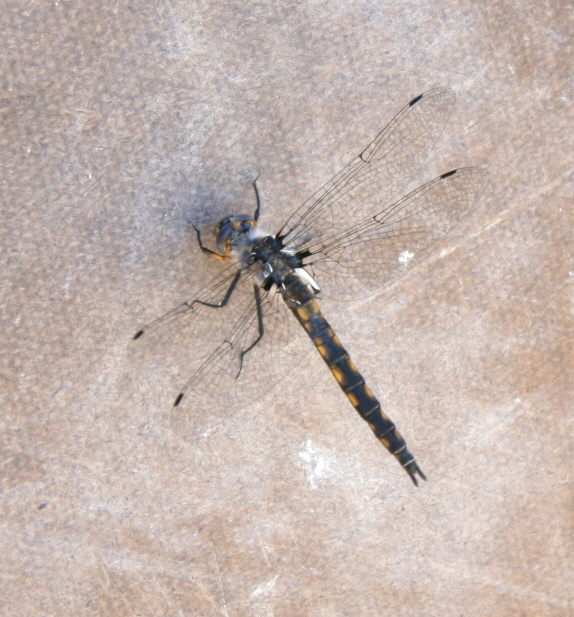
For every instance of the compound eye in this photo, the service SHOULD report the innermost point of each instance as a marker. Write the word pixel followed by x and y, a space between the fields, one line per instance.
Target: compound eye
pixel 219 225
pixel 224 231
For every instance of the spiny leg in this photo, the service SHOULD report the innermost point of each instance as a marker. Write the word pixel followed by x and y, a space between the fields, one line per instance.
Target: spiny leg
pixel 190 305
pixel 258 209
pixel 260 327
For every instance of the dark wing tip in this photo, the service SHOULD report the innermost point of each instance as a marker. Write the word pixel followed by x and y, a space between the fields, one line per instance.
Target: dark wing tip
pixel 178 399
pixel 449 173
pixel 138 334
pixel 415 100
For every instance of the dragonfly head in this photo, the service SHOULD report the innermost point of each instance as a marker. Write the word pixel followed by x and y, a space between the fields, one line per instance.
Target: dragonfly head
pixel 234 232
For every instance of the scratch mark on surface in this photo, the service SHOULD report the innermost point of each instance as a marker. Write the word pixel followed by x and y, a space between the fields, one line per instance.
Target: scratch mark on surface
pixel 264 550
pixel 112 588
pixel 207 596
pixel 543 598
pixel 223 609
pixel 264 588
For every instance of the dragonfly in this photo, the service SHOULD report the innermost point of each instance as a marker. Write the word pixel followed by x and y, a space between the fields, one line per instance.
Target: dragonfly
pixel 348 240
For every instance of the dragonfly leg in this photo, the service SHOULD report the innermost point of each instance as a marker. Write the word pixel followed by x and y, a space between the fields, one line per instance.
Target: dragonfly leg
pixel 225 298
pixel 258 209
pixel 190 305
pixel 205 249
pixel 260 327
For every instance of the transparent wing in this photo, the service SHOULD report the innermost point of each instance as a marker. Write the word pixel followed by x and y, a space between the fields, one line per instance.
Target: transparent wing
pixel 189 314
pixel 224 362
pixel 363 258
pixel 374 178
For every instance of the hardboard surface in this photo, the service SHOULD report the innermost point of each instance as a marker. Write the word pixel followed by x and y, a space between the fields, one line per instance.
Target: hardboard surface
pixel 122 122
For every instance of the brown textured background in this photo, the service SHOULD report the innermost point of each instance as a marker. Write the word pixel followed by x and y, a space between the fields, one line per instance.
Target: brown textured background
pixel 121 121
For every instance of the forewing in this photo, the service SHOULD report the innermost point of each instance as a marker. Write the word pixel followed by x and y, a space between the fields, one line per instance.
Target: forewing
pixel 189 313
pixel 363 258
pixel 376 176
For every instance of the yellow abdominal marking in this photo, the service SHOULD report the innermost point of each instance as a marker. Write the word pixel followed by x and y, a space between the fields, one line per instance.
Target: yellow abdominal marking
pixel 303 314
pixel 339 375
pixel 354 400
pixel 308 327
pixel 352 366
pixel 385 442
pixel 368 392
pixel 321 348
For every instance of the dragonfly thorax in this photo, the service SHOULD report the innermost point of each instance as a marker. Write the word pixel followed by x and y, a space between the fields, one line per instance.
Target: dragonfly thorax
pixel 275 264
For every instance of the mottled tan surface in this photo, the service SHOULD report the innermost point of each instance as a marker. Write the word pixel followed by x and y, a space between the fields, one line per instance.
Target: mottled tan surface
pixel 120 122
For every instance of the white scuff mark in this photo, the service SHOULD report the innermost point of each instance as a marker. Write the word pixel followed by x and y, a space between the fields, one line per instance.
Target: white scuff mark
pixel 66 286
pixel 316 466
pixel 489 429
pixel 264 588
pixel 209 432
pixel 265 550
pixel 405 257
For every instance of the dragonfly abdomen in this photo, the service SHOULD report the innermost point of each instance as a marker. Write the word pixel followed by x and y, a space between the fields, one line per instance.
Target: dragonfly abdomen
pixel 353 385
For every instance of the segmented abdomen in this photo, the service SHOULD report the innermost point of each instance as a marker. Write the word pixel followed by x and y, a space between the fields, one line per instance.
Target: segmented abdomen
pixel 353 385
